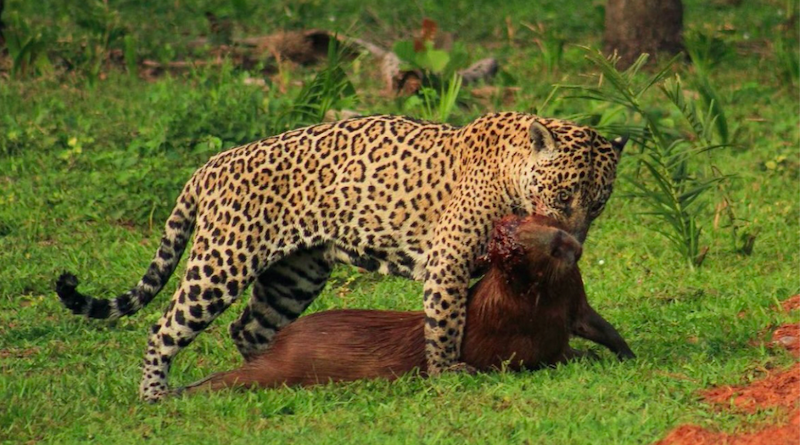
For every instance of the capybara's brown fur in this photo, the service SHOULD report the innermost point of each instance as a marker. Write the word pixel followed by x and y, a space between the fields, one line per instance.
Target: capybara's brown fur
pixel 521 314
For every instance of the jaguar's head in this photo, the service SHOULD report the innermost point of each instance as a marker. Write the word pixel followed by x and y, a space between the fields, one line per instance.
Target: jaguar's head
pixel 569 173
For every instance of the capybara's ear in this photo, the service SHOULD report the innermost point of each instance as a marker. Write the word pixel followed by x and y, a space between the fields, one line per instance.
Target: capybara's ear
pixel 565 248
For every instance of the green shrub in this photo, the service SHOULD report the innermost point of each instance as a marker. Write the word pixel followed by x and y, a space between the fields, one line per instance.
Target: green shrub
pixel 670 181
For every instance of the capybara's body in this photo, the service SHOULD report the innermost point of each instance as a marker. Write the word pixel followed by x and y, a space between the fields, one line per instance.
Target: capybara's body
pixel 521 315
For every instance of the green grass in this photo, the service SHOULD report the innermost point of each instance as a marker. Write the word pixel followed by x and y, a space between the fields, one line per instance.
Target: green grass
pixel 90 169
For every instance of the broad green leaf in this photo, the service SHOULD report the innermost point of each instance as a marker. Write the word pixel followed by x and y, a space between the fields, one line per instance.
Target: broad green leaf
pixel 404 49
pixel 433 59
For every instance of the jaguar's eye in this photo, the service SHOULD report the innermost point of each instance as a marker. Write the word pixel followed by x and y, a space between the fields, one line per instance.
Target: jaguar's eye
pixel 563 196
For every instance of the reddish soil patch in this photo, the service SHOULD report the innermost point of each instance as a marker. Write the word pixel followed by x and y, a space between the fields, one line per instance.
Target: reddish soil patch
pixel 791 303
pixel 695 435
pixel 788 336
pixel 778 389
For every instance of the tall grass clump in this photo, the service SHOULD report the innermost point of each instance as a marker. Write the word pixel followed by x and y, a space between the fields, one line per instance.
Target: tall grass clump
pixel 437 69
pixel 550 44
pixel 670 180
pixel 330 89
pixel 103 28
pixel 437 104
pixel 27 46
pixel 787 60
pixel 706 53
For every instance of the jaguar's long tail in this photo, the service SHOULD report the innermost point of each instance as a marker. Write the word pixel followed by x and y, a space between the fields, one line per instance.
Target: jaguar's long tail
pixel 176 235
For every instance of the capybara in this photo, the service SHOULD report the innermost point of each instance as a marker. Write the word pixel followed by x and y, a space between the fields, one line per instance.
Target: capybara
pixel 521 315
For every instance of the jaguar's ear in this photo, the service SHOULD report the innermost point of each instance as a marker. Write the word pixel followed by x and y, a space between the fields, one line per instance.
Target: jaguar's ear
pixel 541 138
pixel 619 143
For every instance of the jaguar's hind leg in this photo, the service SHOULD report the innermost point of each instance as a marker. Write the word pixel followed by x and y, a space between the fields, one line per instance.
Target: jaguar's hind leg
pixel 280 295
pixel 203 294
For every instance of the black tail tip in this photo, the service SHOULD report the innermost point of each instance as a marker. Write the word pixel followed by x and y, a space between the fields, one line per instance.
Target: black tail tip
pixel 66 283
pixel 66 286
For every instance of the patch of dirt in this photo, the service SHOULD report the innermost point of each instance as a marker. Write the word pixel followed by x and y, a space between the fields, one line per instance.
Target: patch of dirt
pixel 778 389
pixel 791 303
pixel 18 353
pixel 788 336
pixel 695 435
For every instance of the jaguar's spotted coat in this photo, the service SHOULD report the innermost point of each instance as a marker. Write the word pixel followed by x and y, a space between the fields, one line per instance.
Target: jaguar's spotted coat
pixel 386 193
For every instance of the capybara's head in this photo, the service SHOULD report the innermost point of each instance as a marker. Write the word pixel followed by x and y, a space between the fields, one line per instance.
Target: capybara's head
pixel 534 246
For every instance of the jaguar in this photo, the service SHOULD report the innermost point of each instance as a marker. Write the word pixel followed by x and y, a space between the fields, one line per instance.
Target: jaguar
pixel 385 193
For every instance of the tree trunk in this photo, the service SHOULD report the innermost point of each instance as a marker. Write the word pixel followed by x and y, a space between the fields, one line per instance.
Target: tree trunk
pixel 633 27
pixel 2 25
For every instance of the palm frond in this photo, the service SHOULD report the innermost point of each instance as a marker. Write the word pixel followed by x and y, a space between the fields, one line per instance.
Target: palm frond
pixel 667 180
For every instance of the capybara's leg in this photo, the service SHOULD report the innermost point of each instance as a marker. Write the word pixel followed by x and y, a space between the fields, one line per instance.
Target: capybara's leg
pixel 218 381
pixel 196 386
pixel 577 354
pixel 591 326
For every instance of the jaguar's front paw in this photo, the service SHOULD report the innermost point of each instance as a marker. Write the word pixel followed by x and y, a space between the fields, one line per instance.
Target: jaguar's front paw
pixel 461 368
pixel 458 368
pixel 155 393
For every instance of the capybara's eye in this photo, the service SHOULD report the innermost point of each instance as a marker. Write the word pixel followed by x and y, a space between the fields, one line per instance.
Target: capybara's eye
pixel 557 244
